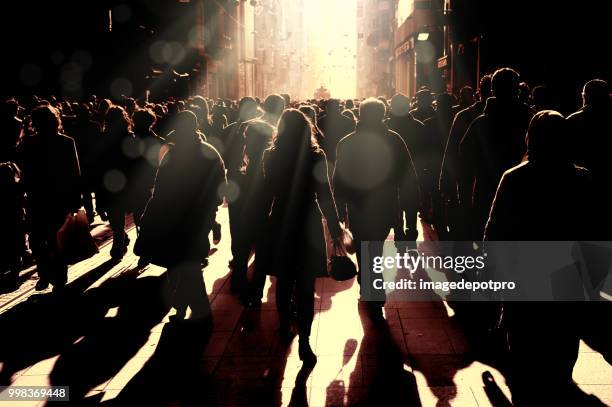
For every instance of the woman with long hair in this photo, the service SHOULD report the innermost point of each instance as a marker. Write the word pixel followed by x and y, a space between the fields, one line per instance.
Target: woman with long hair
pixel 295 169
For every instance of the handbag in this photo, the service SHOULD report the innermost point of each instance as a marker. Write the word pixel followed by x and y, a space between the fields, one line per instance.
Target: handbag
pixel 74 241
pixel 340 266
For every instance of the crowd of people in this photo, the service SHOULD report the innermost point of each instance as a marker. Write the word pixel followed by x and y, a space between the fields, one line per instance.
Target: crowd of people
pixel 493 164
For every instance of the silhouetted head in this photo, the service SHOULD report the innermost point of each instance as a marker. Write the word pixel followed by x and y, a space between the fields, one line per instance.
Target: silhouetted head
pixel 287 99
pixel 332 105
pixel 466 96
pixel 524 92
pixel 423 98
pixel 371 112
pixel 117 121
pixel 104 105
pixel 540 97
pixel 595 93
pixel 247 108
pixel 9 108
pixel 46 120
pixel 310 112
pixel 185 125
pixel 349 104
pixel 400 105
pixel 257 138
pixel 485 87
pixel 547 138
pixel 274 105
pixel 295 133
pixel 8 176
pixel 505 84
pixel 144 120
pixel 200 101
pixel 445 102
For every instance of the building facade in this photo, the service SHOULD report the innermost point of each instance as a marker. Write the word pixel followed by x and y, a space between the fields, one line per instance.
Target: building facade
pixel 375 30
pixel 420 54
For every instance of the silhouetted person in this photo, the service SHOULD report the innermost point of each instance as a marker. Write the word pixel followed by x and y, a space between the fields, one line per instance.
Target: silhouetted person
pixel 182 212
pixel 250 211
pixel 430 156
pixel 493 143
pixel 50 177
pixel 449 174
pixel 87 137
pixel 11 127
pixel 295 170
pixel 375 185
pixel 311 113
pixel 334 126
pixel 235 142
pixel 119 152
pixel 544 198
pixel 424 105
pixel 12 237
pixel 142 172
pixel 591 127
pixel 401 121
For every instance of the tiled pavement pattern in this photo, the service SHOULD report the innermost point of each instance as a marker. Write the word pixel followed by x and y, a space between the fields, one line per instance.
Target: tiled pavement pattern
pixel 113 345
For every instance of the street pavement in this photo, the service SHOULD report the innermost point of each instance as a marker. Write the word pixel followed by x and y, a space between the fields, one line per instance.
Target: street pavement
pixel 111 341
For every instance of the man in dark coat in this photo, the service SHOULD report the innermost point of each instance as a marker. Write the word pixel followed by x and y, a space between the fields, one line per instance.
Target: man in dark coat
pixel 188 189
pixel 494 142
pixel 449 174
pixel 591 129
pixel 334 126
pixel 544 199
pixel 51 180
pixel 10 127
pixel 375 185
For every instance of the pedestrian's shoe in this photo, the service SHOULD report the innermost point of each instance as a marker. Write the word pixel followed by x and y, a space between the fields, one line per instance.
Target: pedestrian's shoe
pixel 216 229
pixel 91 217
pixel 59 288
pixel 375 311
pixel 42 284
pixel 306 354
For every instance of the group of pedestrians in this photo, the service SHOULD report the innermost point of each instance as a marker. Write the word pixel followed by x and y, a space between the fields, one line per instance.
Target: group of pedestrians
pixel 295 175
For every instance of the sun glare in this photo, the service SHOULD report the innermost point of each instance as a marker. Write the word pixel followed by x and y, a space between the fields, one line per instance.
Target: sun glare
pixel 331 37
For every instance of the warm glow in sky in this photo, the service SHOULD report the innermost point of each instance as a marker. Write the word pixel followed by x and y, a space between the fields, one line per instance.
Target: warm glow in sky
pixel 331 32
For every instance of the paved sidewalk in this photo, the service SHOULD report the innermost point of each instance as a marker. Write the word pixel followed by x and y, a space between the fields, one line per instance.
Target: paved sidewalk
pixel 111 342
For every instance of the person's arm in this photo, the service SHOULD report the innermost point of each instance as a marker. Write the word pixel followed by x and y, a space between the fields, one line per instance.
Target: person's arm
pixel 325 196
pixel 339 185
pixel 409 191
pixel 500 217
pixel 466 163
pixel 73 177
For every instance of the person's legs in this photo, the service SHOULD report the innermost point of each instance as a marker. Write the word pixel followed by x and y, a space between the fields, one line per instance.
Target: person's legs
pixel 116 218
pixel 193 290
pixel 284 289
pixel 305 287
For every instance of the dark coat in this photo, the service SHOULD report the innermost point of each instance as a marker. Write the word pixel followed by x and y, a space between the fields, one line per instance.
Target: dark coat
pixel 334 126
pixel 181 211
pixel 301 196
pixel 50 175
pixel 494 143
pixel 449 174
pixel 591 130
pixel 375 180
pixel 539 201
